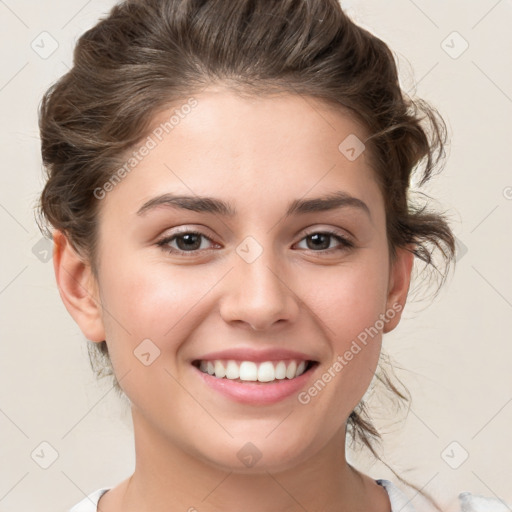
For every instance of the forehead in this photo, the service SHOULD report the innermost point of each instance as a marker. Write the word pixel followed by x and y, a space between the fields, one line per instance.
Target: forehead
pixel 254 148
pixel 222 119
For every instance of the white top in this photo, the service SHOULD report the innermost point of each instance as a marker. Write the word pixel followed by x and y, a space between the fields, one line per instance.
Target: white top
pixel 399 501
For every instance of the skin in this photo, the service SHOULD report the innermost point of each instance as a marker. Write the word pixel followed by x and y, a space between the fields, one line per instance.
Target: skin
pixel 259 154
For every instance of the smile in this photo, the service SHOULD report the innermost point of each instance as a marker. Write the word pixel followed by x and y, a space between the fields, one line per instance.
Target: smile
pixel 250 371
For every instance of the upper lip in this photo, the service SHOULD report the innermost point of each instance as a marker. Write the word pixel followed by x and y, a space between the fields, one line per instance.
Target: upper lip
pixel 256 355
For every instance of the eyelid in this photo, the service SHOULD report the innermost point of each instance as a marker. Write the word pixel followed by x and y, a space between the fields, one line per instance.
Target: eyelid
pixel 170 233
pixel 165 240
pixel 329 231
pixel 345 242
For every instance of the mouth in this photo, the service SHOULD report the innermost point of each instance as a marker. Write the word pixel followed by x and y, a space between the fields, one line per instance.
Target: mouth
pixel 263 372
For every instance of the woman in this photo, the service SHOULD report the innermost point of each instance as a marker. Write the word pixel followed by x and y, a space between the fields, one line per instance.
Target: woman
pixel 227 187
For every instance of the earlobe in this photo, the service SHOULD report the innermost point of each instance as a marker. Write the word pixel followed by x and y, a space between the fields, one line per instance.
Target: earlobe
pixel 399 281
pixel 77 288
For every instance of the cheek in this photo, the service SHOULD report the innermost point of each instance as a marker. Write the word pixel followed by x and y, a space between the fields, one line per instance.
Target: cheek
pixel 350 304
pixel 165 303
pixel 349 299
pixel 151 302
pixel 151 311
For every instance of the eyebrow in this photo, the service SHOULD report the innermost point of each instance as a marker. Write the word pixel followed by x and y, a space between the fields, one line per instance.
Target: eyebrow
pixel 219 207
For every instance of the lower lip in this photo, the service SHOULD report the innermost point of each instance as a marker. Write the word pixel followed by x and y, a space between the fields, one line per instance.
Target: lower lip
pixel 257 393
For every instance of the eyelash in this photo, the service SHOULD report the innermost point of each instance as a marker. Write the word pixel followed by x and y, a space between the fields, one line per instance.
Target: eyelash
pixel 346 244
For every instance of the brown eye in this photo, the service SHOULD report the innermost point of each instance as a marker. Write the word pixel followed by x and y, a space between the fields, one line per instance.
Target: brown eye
pixel 185 242
pixel 320 241
pixel 188 242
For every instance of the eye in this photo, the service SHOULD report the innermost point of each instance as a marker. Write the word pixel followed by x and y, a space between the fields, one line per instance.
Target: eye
pixel 189 243
pixel 320 241
pixel 186 242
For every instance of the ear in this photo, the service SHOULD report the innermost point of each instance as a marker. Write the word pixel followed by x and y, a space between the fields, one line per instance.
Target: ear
pixel 78 288
pixel 398 287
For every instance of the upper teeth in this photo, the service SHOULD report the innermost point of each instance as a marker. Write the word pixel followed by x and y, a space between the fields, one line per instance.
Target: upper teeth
pixel 248 370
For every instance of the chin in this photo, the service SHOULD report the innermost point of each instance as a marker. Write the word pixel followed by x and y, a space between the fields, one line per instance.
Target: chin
pixel 259 456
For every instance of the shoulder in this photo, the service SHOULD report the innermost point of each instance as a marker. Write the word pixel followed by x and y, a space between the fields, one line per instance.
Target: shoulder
pixel 90 503
pixel 398 500
pixel 467 502
pixel 473 503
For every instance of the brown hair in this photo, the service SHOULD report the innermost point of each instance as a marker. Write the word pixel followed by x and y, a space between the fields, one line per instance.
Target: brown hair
pixel 148 54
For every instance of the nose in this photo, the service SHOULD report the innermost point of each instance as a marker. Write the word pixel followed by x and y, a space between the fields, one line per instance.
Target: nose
pixel 258 294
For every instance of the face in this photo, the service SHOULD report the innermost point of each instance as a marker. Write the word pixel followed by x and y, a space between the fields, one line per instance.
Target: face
pixel 285 292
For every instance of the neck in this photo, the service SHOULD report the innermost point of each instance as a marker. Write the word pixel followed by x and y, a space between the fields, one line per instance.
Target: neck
pixel 167 477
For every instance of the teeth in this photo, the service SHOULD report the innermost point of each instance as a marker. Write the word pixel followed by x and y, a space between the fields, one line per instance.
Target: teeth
pixel 232 370
pixel 291 370
pixel 267 371
pixel 248 371
pixel 280 370
pixel 220 371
